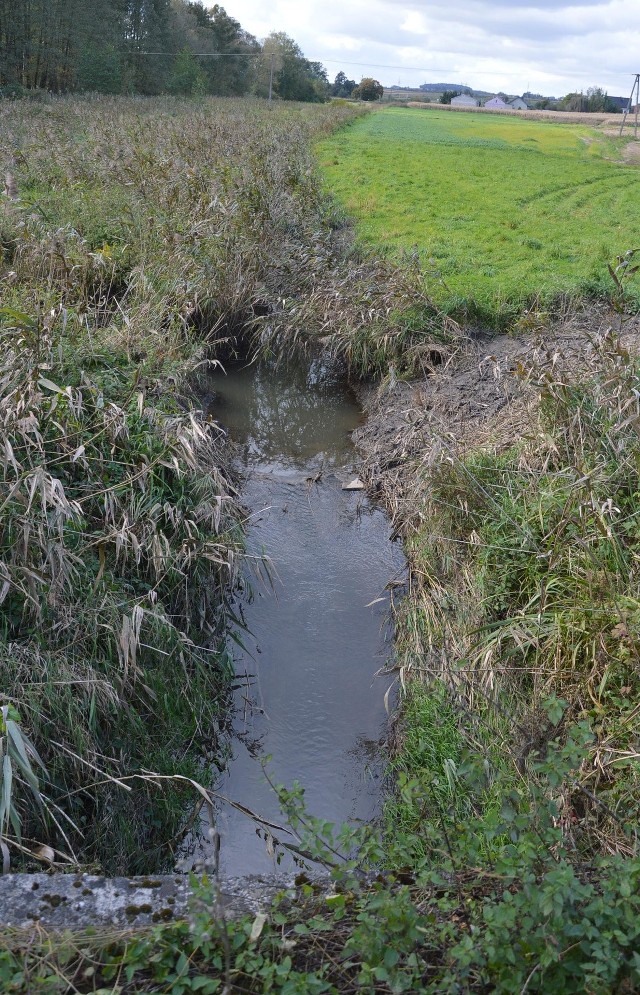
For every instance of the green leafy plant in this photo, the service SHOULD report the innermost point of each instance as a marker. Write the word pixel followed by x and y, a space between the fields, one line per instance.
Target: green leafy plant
pixel 18 756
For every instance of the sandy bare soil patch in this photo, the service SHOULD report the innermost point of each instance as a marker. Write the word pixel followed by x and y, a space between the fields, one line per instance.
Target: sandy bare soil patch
pixel 631 153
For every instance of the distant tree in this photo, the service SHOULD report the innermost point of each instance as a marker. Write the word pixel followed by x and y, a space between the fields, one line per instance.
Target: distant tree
pixel 599 100
pixel 448 96
pixel 231 73
pixel 145 46
pixel 594 100
pixel 439 87
pixel 42 43
pixel 320 80
pixel 147 28
pixel 342 87
pixel 187 77
pixel 368 89
pixel 294 77
pixel 99 69
pixel 230 36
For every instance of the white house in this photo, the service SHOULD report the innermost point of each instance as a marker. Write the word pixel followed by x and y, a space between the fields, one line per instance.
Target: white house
pixel 518 104
pixel 496 104
pixel 464 100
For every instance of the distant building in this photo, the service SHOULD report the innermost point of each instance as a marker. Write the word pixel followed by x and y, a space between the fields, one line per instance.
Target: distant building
pixel 464 100
pixel 496 104
pixel 518 104
pixel 621 102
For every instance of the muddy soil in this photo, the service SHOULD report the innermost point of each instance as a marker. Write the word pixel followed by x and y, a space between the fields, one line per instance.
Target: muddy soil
pixel 479 395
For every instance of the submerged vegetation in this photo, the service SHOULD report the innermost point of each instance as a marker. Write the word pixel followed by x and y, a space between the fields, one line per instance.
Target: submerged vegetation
pixel 503 211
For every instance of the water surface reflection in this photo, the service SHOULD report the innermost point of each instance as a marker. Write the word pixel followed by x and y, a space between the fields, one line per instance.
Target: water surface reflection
pixel 308 698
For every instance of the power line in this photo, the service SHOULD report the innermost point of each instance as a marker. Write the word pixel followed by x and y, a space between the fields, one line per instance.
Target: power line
pixel 385 65
pixel 218 55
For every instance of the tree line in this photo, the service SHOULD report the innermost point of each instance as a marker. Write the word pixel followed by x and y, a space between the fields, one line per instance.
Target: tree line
pixel 150 47
pixel 594 100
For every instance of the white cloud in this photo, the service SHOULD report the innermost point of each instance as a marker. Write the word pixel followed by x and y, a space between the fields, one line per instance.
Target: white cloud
pixel 512 45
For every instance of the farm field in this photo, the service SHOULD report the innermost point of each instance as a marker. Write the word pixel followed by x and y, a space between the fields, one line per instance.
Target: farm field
pixel 501 210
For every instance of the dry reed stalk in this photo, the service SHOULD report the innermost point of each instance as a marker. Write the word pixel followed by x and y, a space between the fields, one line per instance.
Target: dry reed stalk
pixel 10 187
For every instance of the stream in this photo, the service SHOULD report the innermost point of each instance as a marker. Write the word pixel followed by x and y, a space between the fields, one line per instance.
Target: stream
pixel 307 695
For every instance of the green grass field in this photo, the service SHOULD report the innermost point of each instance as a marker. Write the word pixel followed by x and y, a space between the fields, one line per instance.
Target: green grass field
pixel 503 210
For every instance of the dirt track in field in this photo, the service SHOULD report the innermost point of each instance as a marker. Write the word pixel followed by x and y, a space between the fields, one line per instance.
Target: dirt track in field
pixel 563 117
pixel 631 153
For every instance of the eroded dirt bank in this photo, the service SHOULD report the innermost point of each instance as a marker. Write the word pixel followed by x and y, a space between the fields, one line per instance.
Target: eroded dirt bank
pixel 481 394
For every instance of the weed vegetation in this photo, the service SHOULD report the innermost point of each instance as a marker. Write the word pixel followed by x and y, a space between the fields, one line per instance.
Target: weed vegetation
pixel 502 212
pixel 528 592
pixel 490 904
pixel 140 240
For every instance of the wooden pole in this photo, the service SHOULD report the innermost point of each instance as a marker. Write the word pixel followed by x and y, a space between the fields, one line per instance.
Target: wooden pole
pixel 634 89
pixel 271 77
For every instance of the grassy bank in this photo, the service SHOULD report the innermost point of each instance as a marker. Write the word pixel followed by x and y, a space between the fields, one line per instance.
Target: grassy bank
pixel 507 861
pixel 505 213
pixel 527 589
pixel 139 240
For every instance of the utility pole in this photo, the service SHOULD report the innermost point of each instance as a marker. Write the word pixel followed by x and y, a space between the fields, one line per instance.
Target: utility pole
pixel 634 89
pixel 273 57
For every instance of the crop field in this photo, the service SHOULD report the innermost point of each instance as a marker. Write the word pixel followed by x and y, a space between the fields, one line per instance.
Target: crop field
pixel 502 211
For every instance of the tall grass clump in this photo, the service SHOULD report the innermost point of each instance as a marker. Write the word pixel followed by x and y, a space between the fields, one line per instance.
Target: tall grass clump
pixel 211 214
pixel 118 546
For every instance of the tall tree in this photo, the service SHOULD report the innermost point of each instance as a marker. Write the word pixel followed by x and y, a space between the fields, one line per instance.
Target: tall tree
pixel 187 76
pixel 231 70
pixel 369 89
pixel 294 77
pixel 342 87
pixel 42 41
pixel 147 41
pixel 144 46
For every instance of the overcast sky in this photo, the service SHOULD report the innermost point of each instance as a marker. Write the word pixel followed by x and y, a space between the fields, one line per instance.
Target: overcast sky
pixel 546 46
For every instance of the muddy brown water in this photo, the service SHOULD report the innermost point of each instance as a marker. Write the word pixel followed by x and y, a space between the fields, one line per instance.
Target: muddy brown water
pixel 307 694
